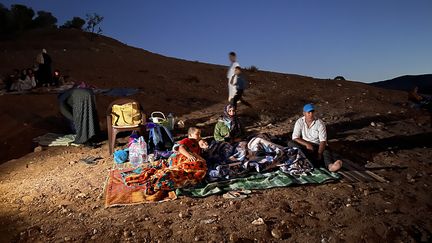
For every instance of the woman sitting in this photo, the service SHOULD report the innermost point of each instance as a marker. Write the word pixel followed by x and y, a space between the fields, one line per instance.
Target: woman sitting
pixel 228 128
pixel 184 168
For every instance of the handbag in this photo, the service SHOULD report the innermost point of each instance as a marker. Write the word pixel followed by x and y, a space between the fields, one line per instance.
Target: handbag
pixel 126 115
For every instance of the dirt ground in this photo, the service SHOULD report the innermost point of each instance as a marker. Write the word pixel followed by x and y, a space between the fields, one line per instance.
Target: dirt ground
pixel 50 196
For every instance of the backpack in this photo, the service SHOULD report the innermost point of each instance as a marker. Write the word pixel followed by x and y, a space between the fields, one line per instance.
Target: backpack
pixel 160 138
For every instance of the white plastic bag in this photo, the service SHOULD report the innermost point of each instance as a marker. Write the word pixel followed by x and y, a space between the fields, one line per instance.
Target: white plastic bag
pixel 138 152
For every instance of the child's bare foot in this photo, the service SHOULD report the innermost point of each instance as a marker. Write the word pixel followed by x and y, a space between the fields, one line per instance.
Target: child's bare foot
pixel 335 166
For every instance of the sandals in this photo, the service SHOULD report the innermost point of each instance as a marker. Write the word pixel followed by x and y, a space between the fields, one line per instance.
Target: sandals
pixel 240 194
pixel 90 160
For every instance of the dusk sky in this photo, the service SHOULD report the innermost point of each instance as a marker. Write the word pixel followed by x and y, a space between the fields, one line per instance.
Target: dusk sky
pixel 368 40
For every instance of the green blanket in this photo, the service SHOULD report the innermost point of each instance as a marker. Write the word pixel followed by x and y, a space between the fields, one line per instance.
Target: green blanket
pixel 259 181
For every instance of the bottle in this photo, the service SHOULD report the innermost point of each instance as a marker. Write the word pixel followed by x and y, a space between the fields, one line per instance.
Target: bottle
pixel 171 121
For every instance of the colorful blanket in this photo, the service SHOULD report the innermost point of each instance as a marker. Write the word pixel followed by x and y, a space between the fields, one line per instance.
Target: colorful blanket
pixel 260 181
pixel 118 194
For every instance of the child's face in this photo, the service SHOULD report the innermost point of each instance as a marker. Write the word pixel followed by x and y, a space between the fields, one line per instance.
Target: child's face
pixel 203 144
pixel 237 71
pixel 196 135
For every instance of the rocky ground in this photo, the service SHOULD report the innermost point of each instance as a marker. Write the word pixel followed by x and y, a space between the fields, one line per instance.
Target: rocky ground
pixel 48 195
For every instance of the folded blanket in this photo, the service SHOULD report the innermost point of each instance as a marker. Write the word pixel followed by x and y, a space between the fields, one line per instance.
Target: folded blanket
pixel 260 181
pixel 54 139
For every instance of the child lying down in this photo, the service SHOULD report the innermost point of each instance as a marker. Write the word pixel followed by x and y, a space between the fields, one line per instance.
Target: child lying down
pixel 226 161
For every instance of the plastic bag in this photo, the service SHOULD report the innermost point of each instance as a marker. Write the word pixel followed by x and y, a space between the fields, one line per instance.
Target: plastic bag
pixel 138 151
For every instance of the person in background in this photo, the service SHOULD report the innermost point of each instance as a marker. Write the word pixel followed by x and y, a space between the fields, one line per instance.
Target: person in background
pixel 228 128
pixel 32 77
pixel 231 87
pixel 310 135
pixel 240 85
pixel 57 78
pixel 78 105
pixel 44 72
pixel 10 79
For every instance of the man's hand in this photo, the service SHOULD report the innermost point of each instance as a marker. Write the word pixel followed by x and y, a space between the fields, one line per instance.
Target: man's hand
pixel 309 146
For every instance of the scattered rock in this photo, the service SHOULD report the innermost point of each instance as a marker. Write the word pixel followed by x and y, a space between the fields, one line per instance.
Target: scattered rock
pixel 258 221
pixel 366 192
pixel 38 149
pixel 276 233
pixel 81 195
pixel 208 221
pixel 373 124
pixel 233 237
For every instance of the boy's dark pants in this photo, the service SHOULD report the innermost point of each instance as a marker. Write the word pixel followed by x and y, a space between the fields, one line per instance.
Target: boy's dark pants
pixel 237 97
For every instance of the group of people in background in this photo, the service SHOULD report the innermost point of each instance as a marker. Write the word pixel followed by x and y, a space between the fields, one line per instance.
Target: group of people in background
pixel 40 75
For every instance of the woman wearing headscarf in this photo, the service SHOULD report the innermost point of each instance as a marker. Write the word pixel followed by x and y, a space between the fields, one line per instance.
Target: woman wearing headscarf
pixel 228 128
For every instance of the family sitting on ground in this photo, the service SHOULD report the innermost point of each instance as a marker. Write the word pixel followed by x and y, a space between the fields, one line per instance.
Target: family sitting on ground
pixel 230 155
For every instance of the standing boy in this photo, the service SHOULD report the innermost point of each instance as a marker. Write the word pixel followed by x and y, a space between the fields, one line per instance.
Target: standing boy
pixel 231 88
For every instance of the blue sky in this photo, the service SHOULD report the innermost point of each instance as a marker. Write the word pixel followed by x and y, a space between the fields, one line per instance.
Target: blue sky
pixel 363 40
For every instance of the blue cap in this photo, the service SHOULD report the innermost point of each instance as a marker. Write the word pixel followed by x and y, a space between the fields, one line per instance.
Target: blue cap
pixel 308 108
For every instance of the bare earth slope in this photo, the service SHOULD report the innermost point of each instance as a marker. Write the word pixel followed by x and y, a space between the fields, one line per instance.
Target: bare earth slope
pixel 49 196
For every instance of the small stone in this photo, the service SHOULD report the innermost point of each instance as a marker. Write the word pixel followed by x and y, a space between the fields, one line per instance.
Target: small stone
pixel 258 221
pixel 81 195
pixel 67 238
pixel 126 233
pixel 276 233
pixel 409 177
pixel 95 231
pixel 373 124
pixel 366 192
pixel 38 149
pixel 197 238
pixel 208 221
pixel 348 205
pixel 387 211
pixel 233 237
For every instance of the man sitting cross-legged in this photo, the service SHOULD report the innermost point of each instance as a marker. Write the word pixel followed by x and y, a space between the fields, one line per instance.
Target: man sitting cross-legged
pixel 311 136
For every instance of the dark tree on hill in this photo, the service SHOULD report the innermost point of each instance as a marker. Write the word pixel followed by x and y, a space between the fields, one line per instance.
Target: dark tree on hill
pixel 75 23
pixel 22 17
pixel 93 22
pixel 5 20
pixel 44 20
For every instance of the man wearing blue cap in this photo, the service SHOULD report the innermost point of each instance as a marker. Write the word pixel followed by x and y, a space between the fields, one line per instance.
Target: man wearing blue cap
pixel 311 136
